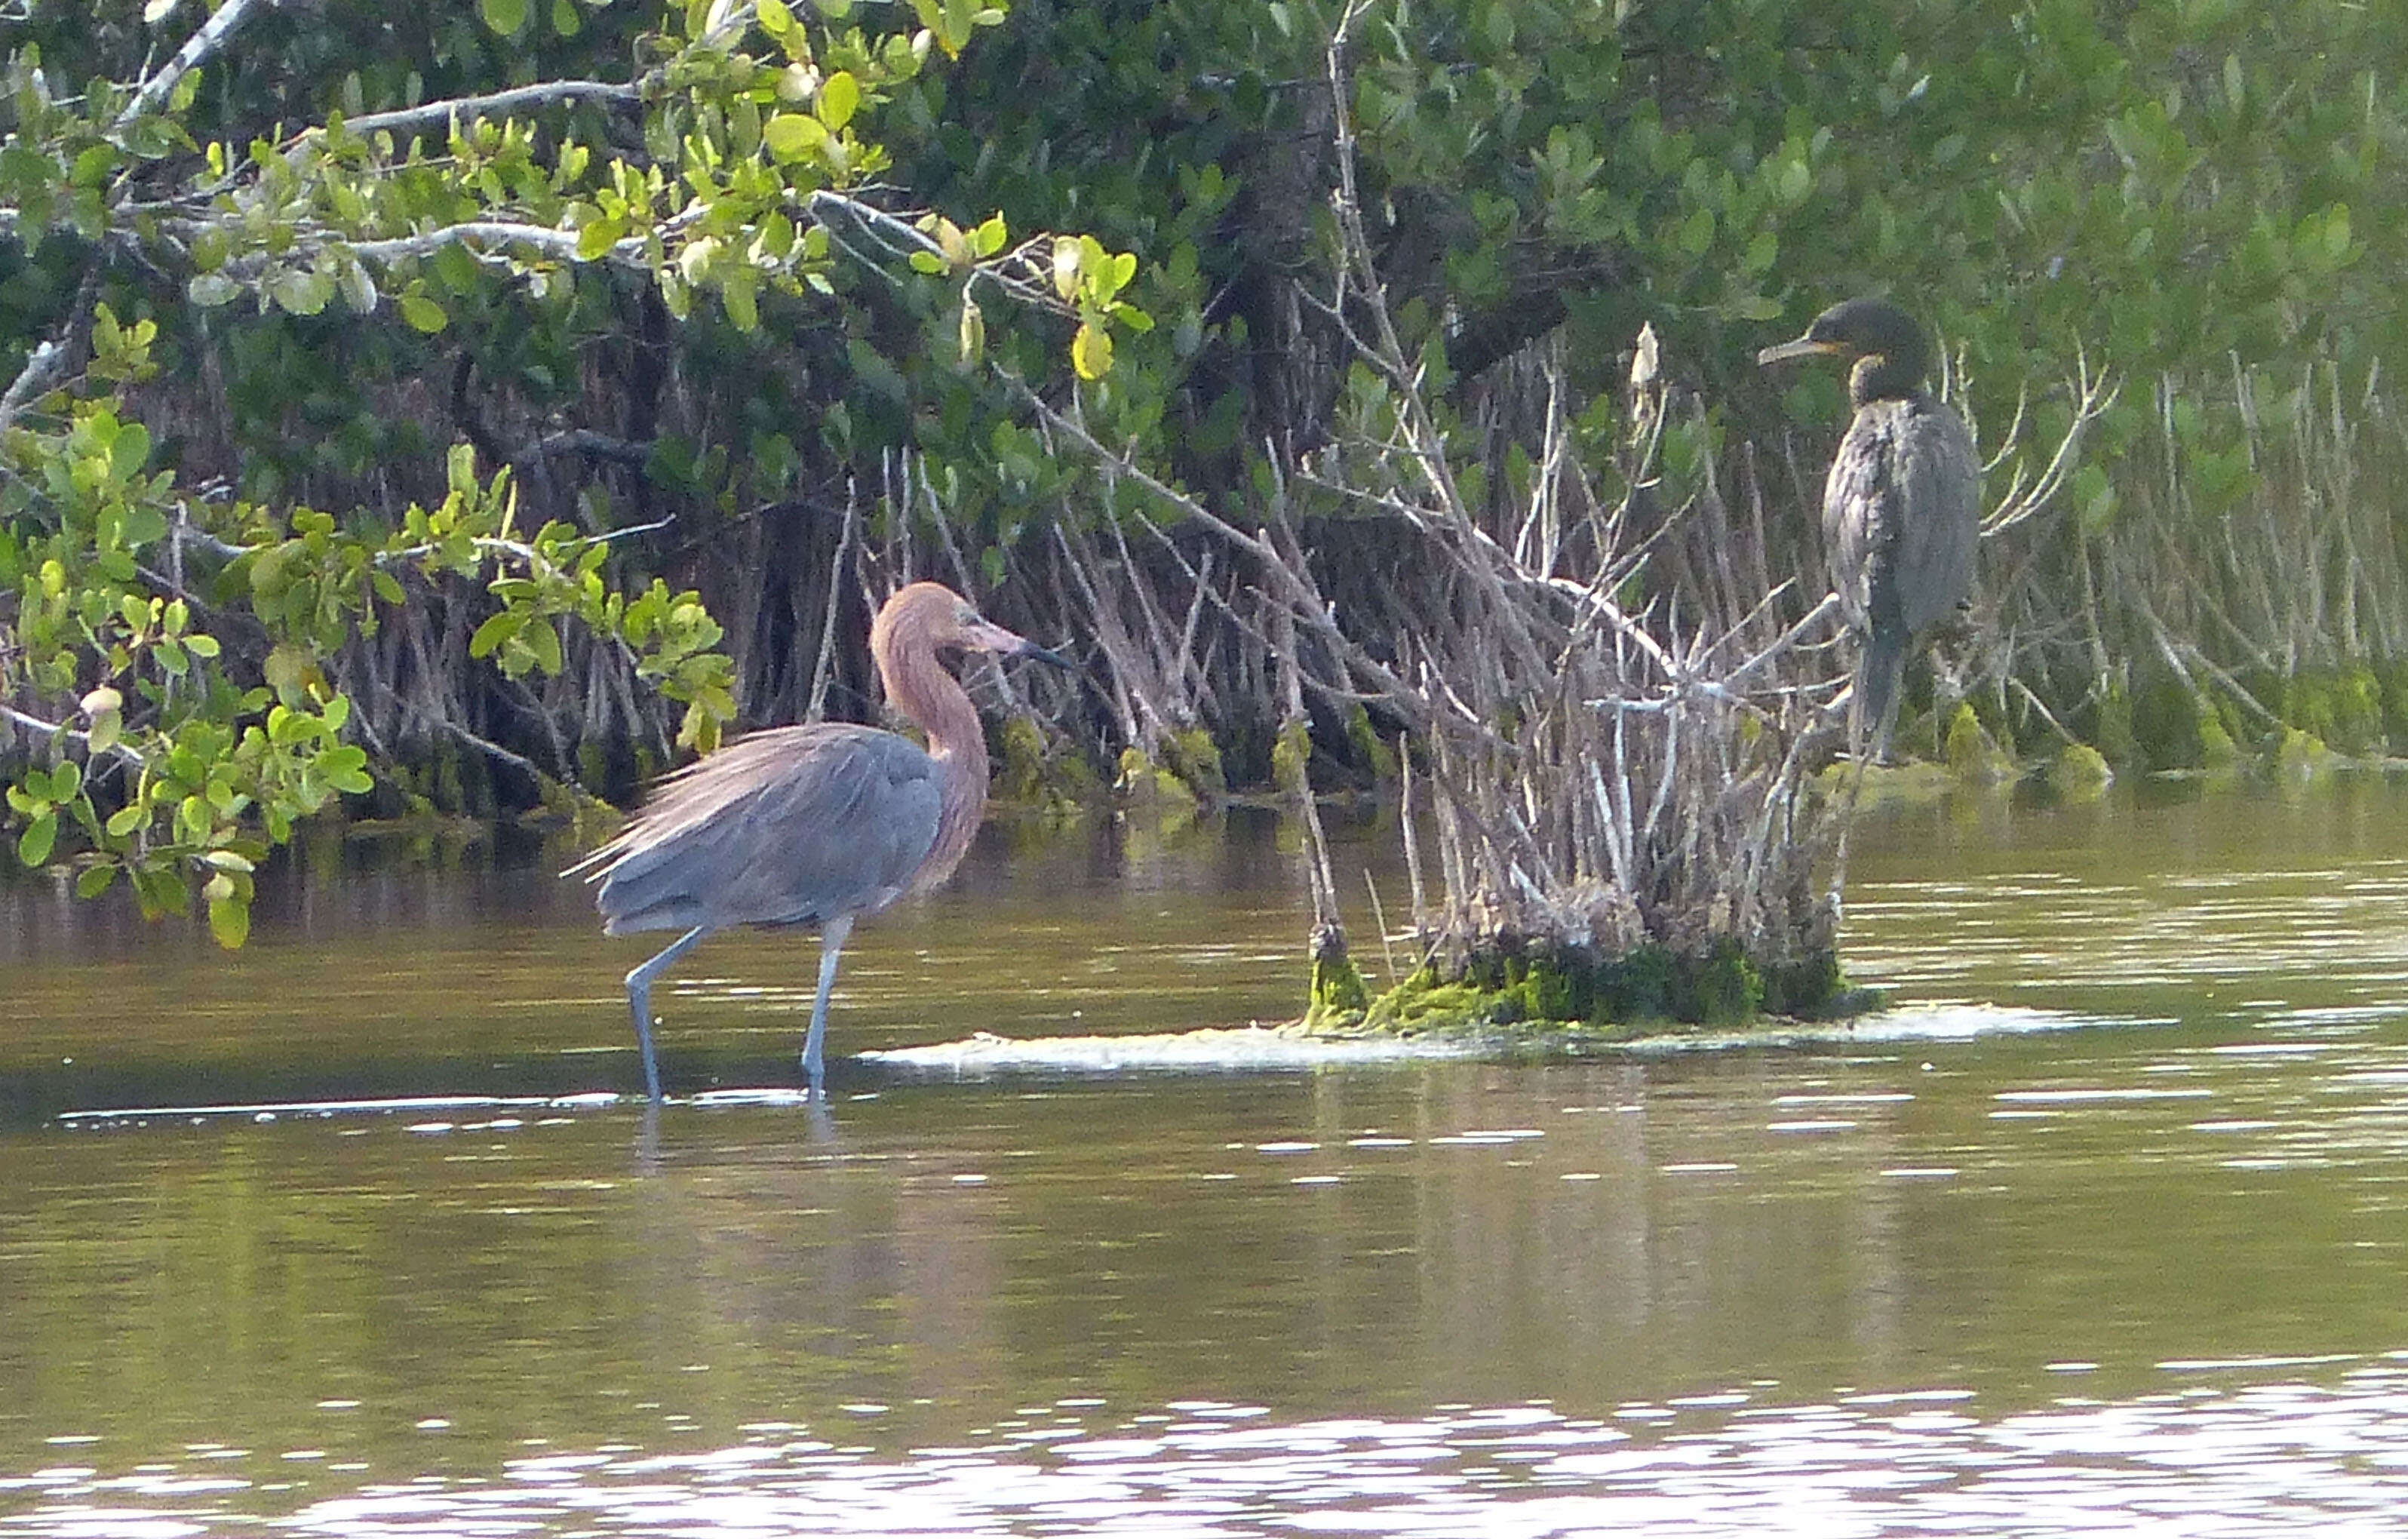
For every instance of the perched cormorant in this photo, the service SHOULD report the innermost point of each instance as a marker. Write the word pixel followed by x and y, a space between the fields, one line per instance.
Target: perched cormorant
pixel 1901 505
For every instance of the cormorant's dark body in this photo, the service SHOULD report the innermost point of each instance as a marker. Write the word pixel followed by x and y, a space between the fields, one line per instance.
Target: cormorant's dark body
pixel 1901 505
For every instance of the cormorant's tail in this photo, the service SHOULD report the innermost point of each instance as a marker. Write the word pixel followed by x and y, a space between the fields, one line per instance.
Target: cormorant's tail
pixel 1875 710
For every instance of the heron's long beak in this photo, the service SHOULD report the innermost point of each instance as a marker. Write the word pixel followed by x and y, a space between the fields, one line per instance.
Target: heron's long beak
pixel 1805 347
pixel 989 637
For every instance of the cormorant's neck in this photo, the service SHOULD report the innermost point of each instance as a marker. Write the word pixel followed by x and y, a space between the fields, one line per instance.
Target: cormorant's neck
pixel 1895 376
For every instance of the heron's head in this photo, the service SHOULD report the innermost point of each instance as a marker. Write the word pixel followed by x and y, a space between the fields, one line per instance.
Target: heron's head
pixel 1883 340
pixel 931 616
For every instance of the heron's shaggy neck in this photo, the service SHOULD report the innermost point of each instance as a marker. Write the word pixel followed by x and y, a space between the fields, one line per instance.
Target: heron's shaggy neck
pixel 917 685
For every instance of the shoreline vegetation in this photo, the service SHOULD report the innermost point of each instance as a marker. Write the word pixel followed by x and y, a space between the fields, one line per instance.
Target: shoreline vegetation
pixel 1363 398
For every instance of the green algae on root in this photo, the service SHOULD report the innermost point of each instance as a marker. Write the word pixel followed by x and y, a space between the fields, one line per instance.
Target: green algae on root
pixel 1340 1000
pixel 1196 758
pixel 1972 753
pixel 2298 756
pixel 1143 782
pixel 2080 770
pixel 1570 994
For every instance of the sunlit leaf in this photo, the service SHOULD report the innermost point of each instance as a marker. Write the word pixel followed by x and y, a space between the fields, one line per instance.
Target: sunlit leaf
pixel 493 632
pixel 840 95
pixel 743 306
pixel 229 920
pixel 34 845
pixel 791 136
pixel 1091 352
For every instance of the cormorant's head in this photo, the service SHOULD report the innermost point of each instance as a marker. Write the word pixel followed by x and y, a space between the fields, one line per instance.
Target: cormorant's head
pixel 1887 345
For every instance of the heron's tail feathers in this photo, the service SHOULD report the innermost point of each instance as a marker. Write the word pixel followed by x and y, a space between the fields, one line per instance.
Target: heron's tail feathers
pixel 1874 711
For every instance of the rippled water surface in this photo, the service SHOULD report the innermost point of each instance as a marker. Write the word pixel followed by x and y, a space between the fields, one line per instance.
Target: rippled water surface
pixel 2133 1258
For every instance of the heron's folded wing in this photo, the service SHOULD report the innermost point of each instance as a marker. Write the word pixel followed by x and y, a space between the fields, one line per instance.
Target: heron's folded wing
pixel 783 827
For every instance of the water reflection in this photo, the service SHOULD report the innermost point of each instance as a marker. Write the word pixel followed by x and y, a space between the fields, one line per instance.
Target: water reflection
pixel 2276 1458
pixel 2125 1277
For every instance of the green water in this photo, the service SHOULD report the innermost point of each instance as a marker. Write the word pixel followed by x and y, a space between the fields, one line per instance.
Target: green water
pixel 2130 1257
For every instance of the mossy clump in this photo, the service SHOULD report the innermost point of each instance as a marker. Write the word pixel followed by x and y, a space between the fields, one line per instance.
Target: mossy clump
pixel 1196 758
pixel 460 784
pixel 2111 726
pixel 1812 988
pixel 2080 770
pixel 1369 747
pixel 1143 782
pixel 2341 707
pixel 2298 756
pixel 2168 722
pixel 1020 774
pixel 1573 991
pixel 1074 780
pixel 2358 712
pixel 1971 752
pixel 1338 1000
pixel 1726 987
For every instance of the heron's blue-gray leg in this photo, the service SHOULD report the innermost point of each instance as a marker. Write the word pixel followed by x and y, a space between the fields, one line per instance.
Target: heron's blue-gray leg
pixel 832 939
pixel 639 1000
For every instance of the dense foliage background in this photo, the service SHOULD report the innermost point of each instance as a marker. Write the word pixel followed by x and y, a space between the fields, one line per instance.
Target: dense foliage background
pixel 468 454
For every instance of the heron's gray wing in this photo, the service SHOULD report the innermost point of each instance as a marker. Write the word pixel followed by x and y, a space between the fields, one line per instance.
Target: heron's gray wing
pixel 784 827
pixel 1939 476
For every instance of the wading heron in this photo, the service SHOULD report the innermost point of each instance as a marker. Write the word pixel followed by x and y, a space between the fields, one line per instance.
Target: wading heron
pixel 1901 505
pixel 814 825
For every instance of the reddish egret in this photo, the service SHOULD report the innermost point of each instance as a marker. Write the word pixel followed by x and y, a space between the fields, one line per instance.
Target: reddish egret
pixel 1901 505
pixel 814 825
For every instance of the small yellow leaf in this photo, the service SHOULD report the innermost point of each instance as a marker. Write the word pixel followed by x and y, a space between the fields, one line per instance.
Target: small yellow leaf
pixel 1091 352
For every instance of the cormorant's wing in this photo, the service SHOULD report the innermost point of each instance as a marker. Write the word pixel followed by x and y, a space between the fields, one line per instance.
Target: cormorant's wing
pixel 1939 479
pixel 1860 513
